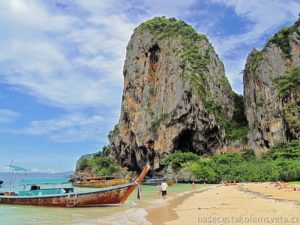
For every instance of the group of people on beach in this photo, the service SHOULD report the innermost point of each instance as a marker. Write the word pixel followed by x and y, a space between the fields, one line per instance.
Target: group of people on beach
pixel 228 182
pixel 283 185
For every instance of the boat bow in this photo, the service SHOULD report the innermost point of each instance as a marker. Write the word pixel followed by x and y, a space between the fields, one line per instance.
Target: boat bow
pixel 136 182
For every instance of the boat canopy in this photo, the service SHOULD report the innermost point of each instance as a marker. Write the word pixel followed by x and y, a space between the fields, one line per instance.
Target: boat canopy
pixel 17 168
pixel 155 179
pixel 44 181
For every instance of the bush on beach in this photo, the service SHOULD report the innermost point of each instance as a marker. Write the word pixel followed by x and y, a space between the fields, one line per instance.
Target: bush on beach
pixel 281 162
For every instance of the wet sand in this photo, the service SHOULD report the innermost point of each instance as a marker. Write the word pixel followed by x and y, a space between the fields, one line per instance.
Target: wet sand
pixel 163 214
pixel 241 204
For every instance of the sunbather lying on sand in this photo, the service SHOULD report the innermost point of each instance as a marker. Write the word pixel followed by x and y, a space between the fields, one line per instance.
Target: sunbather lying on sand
pixel 229 183
pixel 283 185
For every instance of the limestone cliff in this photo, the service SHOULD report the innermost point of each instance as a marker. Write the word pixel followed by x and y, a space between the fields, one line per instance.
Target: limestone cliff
pixel 176 95
pixel 272 89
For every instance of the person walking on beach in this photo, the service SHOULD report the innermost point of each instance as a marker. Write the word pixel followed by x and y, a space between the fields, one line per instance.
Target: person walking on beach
pixel 158 189
pixel 164 187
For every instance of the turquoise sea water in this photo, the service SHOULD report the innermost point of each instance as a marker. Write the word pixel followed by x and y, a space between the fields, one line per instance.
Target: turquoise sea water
pixel 132 212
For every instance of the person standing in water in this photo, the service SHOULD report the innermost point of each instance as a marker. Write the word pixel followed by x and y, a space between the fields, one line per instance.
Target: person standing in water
pixel 158 189
pixel 164 187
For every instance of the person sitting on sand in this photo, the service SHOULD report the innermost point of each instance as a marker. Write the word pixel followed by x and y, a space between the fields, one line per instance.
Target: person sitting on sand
pixel 164 187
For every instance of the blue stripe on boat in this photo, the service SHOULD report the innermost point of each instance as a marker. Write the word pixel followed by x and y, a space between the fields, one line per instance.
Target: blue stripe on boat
pixel 75 193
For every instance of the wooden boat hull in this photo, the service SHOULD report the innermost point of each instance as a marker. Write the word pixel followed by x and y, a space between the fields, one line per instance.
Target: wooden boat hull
pixel 103 196
pixel 101 184
pixel 93 198
pixel 169 182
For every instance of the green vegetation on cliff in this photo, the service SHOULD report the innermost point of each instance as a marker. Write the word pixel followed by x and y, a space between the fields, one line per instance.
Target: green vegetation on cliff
pixel 282 162
pixel 237 128
pixel 282 38
pixel 291 115
pixel 290 150
pixel 104 165
pixel 177 159
pixel 163 27
pixel 194 60
pixel 255 59
pixel 196 55
pixel 289 83
pixel 223 80
pixel 155 124
pixel 100 165
pixel 288 87
pixel 113 133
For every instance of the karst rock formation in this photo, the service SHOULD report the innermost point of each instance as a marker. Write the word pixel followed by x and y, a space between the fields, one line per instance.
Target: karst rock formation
pixel 272 89
pixel 176 95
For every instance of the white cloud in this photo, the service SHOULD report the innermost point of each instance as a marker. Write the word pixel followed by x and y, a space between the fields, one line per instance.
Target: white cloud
pixel 234 69
pixel 75 60
pixel 30 15
pixel 7 116
pixel 169 8
pixel 265 17
pixel 46 170
pixel 61 60
pixel 6 169
pixel 70 128
pixel 72 58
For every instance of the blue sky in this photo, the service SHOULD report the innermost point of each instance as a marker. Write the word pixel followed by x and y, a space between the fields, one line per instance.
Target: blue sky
pixel 61 66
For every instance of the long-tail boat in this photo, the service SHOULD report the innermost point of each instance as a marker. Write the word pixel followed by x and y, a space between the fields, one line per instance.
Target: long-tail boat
pixel 66 197
pixel 156 181
pixel 97 181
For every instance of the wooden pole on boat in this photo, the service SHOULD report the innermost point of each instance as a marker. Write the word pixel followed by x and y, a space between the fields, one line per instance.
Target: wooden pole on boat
pixel 11 174
pixel 136 182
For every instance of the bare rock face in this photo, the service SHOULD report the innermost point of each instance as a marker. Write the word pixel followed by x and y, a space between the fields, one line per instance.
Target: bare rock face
pixel 176 95
pixel 270 89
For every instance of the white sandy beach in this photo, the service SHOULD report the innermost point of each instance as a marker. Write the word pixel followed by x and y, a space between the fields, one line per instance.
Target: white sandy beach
pixel 241 204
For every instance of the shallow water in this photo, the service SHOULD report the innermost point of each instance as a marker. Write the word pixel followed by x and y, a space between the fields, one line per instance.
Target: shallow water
pixel 132 212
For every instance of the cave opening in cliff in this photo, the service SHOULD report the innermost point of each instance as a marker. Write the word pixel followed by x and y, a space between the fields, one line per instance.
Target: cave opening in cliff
pixel 154 53
pixel 266 143
pixel 184 141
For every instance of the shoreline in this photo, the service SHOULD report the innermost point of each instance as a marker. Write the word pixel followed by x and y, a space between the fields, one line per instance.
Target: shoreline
pixel 167 213
pixel 261 203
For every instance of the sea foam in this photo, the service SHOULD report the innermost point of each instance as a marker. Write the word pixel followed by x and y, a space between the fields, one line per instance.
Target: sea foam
pixel 129 217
